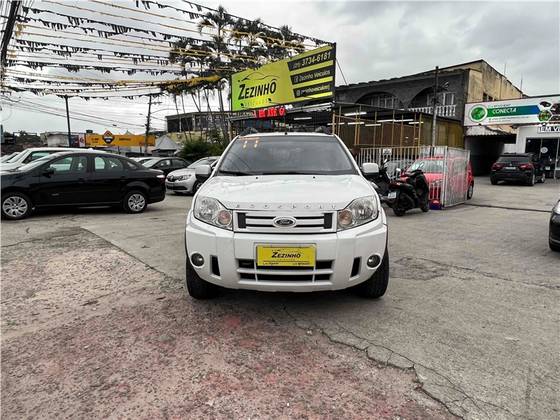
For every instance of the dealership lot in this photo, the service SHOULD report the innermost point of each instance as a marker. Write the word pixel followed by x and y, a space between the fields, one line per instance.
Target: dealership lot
pixel 95 319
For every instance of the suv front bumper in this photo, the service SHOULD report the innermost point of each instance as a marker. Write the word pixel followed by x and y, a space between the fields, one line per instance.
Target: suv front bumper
pixel 341 257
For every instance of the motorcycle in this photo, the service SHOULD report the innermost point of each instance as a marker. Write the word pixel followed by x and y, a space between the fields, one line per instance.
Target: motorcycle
pixel 408 192
pixel 381 182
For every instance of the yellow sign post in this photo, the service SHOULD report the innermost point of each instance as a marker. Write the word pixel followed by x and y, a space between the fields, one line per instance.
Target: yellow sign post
pixel 305 76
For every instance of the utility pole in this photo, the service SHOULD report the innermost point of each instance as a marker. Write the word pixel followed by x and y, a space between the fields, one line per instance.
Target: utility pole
pixel 8 31
pixel 148 125
pixel 68 121
pixel 434 113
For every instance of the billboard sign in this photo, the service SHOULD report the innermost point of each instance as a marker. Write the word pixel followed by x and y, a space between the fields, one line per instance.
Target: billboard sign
pixel 541 110
pixel 120 140
pixel 309 75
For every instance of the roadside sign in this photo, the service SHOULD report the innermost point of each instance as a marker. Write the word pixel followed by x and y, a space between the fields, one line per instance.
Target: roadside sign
pixel 309 75
pixel 539 110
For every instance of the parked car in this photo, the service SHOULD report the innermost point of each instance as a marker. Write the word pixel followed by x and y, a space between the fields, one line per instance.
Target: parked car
pixel 458 173
pixel 166 164
pixel 84 178
pixel 31 154
pixel 517 167
pixel 142 159
pixel 183 181
pixel 286 212
pixel 554 228
pixel 393 165
pixel 6 158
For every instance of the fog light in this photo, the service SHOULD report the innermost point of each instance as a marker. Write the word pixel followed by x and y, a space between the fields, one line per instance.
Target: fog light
pixel 197 260
pixel 373 261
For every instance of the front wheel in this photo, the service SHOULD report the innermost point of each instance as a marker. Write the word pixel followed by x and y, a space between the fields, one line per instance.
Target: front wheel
pixel 195 187
pixel 470 192
pixel 553 247
pixel 493 181
pixel 15 206
pixel 376 285
pixel 197 287
pixel 135 202
pixel 398 211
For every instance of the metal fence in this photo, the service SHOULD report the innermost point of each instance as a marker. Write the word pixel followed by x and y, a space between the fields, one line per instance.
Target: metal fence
pixel 446 168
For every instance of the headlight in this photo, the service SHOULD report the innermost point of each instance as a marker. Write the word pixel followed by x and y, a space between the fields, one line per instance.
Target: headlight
pixel 209 210
pixel 358 212
pixel 182 177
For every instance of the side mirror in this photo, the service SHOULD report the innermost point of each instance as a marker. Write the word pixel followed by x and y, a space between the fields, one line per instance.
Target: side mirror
pixel 203 172
pixel 369 169
pixel 48 172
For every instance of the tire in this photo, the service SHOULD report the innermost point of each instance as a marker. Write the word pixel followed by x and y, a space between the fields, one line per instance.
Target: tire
pixel 195 187
pixel 376 285
pixel 135 201
pixel 553 247
pixel 470 191
pixel 15 206
pixel 493 181
pixel 198 288
pixel 425 206
pixel 398 211
pixel 532 181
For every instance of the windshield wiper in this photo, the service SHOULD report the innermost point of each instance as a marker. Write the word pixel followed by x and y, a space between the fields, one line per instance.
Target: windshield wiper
pixel 288 173
pixel 236 173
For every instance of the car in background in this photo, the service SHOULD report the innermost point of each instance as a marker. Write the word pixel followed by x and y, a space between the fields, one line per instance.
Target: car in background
pixel 554 228
pixel 31 154
pixel 183 181
pixel 460 178
pixel 141 159
pixel 517 167
pixel 6 158
pixel 166 164
pixel 81 179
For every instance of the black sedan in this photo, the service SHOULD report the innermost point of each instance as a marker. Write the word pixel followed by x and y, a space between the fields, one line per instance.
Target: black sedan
pixel 554 228
pixel 166 164
pixel 83 179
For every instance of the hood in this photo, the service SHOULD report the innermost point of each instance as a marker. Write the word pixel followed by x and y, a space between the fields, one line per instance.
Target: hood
pixel 309 192
pixel 183 171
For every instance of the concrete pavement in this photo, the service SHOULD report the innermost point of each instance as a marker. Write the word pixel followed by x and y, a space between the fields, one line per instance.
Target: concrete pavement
pixel 472 307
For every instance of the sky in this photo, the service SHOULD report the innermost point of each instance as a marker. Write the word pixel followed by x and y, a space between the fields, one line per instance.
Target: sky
pixel 375 40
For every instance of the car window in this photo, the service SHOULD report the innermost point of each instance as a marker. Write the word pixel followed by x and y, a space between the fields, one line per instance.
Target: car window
pixel 514 159
pixel 130 165
pixel 68 164
pixel 428 166
pixel 108 164
pixel 163 164
pixel 199 162
pixel 179 163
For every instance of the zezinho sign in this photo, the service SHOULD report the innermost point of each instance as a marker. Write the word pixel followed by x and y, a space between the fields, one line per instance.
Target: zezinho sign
pixel 309 75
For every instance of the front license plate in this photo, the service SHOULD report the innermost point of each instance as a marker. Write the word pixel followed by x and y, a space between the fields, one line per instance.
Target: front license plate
pixel 392 194
pixel 285 256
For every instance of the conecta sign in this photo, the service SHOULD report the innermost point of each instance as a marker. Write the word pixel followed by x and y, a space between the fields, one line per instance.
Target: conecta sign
pixel 309 75
pixel 540 110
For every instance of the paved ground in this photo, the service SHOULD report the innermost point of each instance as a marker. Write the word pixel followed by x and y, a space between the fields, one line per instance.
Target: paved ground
pixel 472 314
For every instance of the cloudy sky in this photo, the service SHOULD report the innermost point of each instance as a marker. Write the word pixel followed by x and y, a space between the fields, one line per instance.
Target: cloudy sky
pixel 375 40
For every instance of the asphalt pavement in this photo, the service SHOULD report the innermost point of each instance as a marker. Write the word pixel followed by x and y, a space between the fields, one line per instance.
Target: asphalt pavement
pixel 472 309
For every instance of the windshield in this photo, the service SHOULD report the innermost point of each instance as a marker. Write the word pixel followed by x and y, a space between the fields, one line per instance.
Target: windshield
pixel 514 159
pixel 429 166
pixel 150 162
pixel 254 155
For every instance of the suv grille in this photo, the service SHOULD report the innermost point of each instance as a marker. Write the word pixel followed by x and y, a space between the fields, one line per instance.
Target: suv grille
pixel 263 222
pixel 247 271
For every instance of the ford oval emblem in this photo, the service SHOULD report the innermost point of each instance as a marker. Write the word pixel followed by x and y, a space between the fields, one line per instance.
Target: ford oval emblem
pixel 284 222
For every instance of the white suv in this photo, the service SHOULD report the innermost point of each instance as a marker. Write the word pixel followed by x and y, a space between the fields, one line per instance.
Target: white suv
pixel 286 212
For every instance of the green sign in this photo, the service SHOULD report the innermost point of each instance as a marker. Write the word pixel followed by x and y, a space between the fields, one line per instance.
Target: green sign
pixel 306 76
pixel 514 111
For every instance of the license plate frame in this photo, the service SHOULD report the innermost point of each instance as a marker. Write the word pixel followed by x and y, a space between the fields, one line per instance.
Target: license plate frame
pixel 264 255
